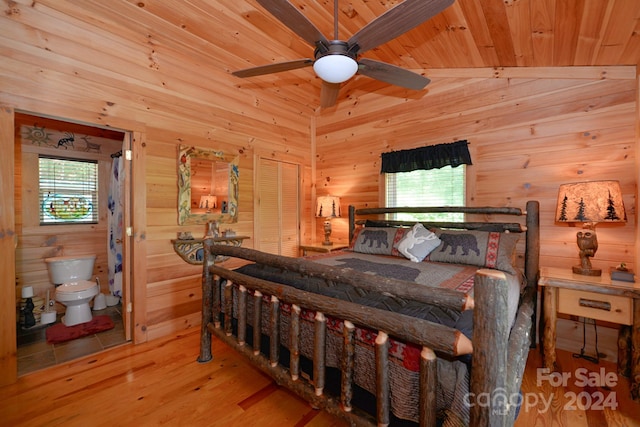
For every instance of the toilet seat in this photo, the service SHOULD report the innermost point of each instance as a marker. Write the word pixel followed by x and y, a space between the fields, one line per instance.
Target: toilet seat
pixel 77 286
pixel 78 290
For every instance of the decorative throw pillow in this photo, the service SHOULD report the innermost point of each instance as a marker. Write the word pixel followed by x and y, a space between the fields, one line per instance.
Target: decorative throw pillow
pixel 377 240
pixel 481 248
pixel 418 243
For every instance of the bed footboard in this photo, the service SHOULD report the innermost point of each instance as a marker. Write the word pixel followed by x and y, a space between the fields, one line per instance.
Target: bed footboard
pixel 218 319
pixel 432 338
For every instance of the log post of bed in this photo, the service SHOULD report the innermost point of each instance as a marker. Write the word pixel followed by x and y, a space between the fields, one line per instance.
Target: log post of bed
pixel 499 353
pixel 207 303
pixel 532 260
pixel 488 396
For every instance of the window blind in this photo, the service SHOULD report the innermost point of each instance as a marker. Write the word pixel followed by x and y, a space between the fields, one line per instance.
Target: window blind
pixel 435 187
pixel 68 191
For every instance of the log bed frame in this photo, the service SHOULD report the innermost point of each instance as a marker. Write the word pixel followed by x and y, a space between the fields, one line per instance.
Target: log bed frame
pixel 498 354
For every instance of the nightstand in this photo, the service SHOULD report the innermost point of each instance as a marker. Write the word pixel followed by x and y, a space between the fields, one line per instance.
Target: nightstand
pixel 595 297
pixel 319 247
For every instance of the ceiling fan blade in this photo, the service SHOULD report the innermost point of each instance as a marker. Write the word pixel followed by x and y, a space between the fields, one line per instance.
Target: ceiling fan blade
pixel 396 21
pixel 290 16
pixel 273 68
pixel 329 94
pixel 391 74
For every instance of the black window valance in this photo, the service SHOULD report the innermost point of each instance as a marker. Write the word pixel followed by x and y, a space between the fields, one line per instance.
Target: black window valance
pixel 430 157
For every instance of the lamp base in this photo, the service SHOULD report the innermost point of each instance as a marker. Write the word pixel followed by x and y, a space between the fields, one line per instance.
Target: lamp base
pixel 327 233
pixel 588 244
pixel 577 269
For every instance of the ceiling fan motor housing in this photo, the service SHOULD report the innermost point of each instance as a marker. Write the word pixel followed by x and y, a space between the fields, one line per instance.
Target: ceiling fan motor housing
pixel 336 47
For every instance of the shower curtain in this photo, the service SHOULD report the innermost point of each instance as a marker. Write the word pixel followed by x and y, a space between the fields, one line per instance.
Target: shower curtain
pixel 115 223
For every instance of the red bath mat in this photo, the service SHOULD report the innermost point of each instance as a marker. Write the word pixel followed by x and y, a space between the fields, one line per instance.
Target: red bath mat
pixel 60 333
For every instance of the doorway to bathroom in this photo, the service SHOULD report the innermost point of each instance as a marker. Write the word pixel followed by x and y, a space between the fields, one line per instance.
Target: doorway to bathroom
pixel 45 228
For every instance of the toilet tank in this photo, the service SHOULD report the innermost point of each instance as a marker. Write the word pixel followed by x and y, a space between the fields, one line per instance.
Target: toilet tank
pixel 64 269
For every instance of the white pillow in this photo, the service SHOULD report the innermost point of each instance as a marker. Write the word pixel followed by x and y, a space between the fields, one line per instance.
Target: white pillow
pixel 418 243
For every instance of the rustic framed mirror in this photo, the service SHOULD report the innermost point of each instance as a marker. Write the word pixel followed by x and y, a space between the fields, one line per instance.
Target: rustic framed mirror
pixel 207 186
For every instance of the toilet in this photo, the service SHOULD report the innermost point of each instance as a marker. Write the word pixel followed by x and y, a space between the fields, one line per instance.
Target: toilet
pixel 70 275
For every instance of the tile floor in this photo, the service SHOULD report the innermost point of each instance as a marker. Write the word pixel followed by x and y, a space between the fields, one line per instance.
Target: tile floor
pixel 34 353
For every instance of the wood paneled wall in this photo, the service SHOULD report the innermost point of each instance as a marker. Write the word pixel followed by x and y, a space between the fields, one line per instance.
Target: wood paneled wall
pixel 8 359
pixel 58 61
pixel 530 130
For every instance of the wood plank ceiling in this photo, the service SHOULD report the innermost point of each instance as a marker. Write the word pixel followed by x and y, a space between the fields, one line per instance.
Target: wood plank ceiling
pixel 223 36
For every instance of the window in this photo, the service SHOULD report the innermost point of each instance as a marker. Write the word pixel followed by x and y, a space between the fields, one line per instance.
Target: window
pixel 68 191
pixel 433 187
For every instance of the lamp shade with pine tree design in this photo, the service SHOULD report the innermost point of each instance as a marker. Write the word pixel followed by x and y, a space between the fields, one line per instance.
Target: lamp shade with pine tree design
pixel 590 202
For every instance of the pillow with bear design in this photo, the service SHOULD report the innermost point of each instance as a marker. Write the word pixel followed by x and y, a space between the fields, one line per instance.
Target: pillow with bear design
pixel 482 248
pixel 378 240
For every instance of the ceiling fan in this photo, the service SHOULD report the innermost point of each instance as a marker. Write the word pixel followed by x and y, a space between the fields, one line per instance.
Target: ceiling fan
pixel 336 61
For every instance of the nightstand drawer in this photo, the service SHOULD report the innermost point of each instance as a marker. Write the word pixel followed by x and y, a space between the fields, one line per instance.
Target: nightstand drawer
pixel 611 308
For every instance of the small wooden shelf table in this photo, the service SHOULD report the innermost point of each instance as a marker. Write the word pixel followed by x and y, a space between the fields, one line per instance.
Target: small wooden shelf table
pixel 192 250
pixel 595 297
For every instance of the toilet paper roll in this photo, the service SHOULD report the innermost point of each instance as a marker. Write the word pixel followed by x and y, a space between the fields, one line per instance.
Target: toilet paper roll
pixel 48 317
pixel 27 292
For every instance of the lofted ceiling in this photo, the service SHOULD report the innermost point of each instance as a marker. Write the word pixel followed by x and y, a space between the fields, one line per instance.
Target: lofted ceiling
pixel 223 36
pixel 468 34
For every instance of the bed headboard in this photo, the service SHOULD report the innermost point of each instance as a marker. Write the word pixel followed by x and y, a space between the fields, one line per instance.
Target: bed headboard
pixel 374 217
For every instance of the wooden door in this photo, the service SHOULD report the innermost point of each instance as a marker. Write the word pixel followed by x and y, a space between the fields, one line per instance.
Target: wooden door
pixel 277 228
pixel 127 307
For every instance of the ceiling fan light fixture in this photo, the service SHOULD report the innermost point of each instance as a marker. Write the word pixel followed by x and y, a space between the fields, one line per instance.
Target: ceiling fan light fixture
pixel 336 68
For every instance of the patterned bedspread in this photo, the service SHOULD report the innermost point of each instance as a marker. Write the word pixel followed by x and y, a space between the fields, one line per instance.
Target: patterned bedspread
pixel 453 375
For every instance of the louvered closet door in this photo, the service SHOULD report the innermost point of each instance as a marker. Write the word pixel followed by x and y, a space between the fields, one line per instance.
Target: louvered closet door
pixel 277 227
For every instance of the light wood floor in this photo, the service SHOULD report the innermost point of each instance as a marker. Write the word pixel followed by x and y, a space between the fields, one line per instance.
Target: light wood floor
pixel 160 383
pixel 566 402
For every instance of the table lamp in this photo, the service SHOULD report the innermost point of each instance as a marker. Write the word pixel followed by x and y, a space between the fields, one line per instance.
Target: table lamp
pixel 589 203
pixel 327 207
